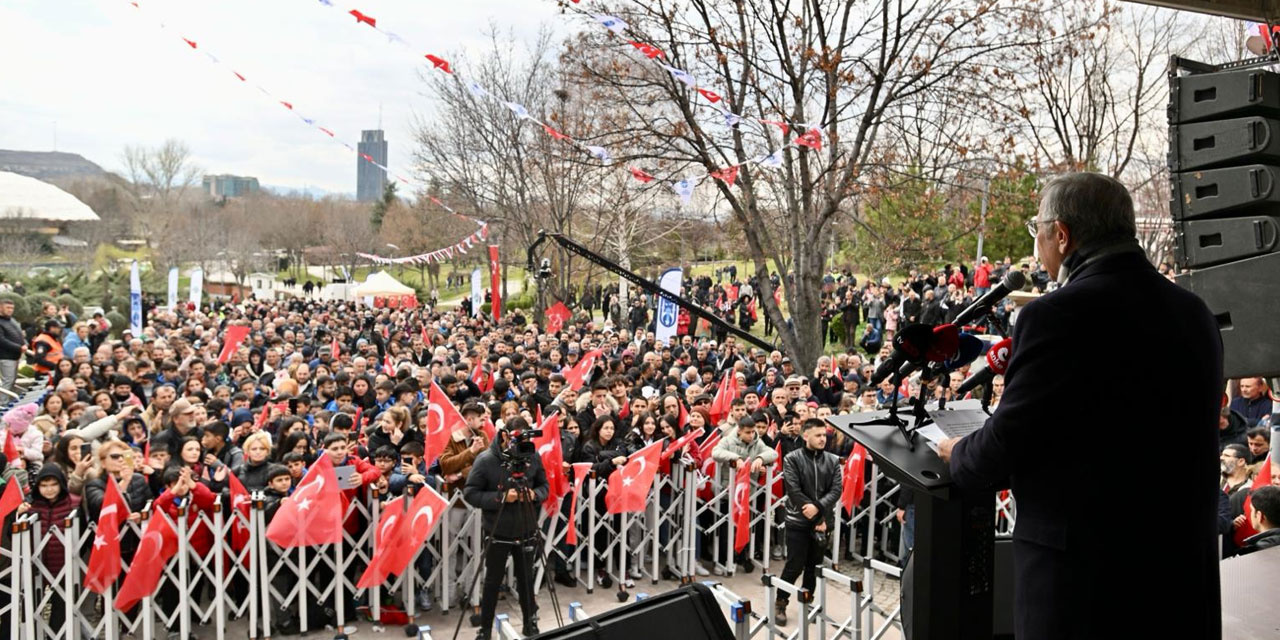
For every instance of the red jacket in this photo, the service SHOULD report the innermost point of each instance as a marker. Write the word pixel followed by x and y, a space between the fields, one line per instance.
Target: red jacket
pixel 202 499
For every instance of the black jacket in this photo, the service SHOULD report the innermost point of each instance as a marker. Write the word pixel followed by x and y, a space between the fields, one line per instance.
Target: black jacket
pixel 137 494
pixel 1259 541
pixel 1073 580
pixel 253 475
pixel 12 339
pixel 486 488
pixel 811 476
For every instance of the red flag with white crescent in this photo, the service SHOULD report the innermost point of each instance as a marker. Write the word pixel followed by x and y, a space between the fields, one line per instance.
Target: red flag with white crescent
pixel 312 515
pixel 442 420
pixel 708 466
pixel 552 454
pixel 422 518
pixel 576 375
pixel 159 542
pixel 741 506
pixel 629 485
pixel 104 559
pixel 386 536
pixel 580 472
pixel 495 283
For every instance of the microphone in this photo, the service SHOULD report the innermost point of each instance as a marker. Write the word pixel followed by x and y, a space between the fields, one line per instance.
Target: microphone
pixel 908 346
pixel 969 350
pixel 1013 281
pixel 997 362
pixel 944 342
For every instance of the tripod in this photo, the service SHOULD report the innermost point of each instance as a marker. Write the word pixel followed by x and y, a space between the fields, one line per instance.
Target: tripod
pixel 533 545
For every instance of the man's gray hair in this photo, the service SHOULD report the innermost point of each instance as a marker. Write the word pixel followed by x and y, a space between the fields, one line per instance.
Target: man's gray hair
pixel 1095 207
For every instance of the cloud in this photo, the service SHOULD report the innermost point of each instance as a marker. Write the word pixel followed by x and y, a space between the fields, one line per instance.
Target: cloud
pixel 110 76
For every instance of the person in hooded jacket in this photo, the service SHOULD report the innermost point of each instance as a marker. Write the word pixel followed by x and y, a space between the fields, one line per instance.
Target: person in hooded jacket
pixel 52 502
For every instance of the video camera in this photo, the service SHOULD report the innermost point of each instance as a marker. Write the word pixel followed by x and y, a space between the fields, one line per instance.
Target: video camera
pixel 519 449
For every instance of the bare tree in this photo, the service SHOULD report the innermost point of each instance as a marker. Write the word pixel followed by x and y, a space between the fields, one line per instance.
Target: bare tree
pixel 834 68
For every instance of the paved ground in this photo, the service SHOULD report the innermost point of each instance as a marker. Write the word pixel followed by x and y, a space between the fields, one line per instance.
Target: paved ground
pixel 747 586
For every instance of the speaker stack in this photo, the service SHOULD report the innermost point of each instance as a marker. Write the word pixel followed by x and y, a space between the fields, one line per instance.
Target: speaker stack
pixel 1224 166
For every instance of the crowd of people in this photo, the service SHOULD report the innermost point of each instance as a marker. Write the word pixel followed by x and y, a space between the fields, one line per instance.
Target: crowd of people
pixel 158 411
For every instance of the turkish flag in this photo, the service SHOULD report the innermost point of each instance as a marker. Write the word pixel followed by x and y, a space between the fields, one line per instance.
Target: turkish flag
pixel 557 315
pixel 231 340
pixel 851 478
pixel 641 175
pixel 710 95
pixel 495 283
pixel 629 485
pixel 728 174
pixel 708 467
pixel 11 453
pixel 439 63
pixel 442 420
pixel 104 560
pixel 741 506
pixel 777 476
pixel 312 514
pixel 360 17
pixel 675 447
pixel 552 454
pixel 390 530
pixel 335 350
pixel 159 543
pixel 576 376
pixel 421 519
pixel 1262 479
pixel 811 138
pixel 580 472
pixel 648 50
pixel 482 380
pixel 11 498
pixel 726 393
pixel 489 429
pixel 239 514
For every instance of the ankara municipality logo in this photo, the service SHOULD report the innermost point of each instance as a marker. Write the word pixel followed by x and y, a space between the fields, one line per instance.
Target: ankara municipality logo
pixel 667 313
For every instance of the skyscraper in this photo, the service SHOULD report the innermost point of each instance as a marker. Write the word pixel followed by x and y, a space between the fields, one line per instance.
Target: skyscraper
pixel 370 178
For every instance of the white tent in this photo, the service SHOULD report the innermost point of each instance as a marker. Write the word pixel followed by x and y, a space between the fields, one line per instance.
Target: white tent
pixel 383 285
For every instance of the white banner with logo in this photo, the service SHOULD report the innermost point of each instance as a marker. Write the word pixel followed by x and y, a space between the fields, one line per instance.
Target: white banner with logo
pixel 668 311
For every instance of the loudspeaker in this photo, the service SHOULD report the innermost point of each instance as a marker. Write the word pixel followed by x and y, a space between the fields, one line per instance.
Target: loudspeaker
pixel 691 611
pixel 1224 166
pixel 1244 297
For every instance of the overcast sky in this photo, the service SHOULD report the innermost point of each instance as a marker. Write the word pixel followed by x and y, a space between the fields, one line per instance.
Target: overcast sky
pixel 109 76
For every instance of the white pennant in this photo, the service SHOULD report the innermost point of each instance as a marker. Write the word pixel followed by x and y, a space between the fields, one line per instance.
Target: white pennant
pixel 611 23
pixel 773 160
pixel 476 90
pixel 681 75
pixel 684 189
pixel 600 153
pixel 518 109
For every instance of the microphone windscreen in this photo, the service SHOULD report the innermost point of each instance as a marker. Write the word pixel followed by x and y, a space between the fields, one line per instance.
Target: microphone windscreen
pixel 970 348
pixel 913 341
pixel 944 342
pixel 998 356
pixel 1014 280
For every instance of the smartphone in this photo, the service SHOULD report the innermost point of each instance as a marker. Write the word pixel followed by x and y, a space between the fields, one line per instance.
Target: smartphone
pixel 86 449
pixel 406 460
pixel 293 406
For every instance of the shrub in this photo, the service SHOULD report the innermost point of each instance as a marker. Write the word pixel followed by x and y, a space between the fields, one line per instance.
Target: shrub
pixel 118 323
pixel 36 301
pixel 71 303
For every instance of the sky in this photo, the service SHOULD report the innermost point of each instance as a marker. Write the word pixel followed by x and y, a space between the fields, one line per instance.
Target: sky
pixel 104 75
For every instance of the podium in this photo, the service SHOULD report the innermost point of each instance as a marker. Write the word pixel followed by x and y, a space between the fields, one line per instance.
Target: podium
pixel 948 585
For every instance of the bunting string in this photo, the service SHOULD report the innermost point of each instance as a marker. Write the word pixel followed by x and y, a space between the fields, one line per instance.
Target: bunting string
pixel 683 188
pixel 293 109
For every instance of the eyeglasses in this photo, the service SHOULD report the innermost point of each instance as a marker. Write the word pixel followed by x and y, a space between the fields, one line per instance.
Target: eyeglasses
pixel 1033 226
pixel 116 456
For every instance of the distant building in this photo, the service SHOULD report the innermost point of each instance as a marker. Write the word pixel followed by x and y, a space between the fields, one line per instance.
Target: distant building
pixel 370 178
pixel 229 186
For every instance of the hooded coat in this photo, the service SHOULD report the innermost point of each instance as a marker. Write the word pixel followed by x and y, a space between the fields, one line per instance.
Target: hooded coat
pixel 52 513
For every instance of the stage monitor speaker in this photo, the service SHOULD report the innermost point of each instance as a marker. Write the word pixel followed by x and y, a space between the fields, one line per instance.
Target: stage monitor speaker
pixel 1223 95
pixel 690 612
pixel 1221 143
pixel 1244 297
pixel 1217 193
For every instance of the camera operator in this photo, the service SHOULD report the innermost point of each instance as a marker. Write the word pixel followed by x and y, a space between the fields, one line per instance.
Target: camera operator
pixel 508 484
pixel 812 479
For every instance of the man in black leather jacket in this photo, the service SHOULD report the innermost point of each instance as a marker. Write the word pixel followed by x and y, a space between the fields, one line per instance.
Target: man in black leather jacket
pixel 510 519
pixel 811 476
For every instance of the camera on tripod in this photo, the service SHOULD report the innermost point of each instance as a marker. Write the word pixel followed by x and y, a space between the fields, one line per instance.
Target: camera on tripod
pixel 520 448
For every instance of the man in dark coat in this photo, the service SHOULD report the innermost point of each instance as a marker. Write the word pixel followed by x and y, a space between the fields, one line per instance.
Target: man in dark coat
pixel 1071 579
